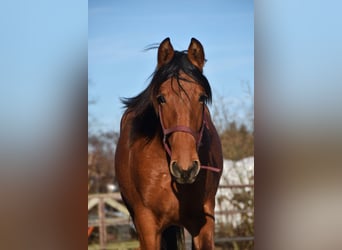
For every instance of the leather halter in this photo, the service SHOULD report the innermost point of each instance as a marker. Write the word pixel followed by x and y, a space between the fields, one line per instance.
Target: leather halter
pixel 185 129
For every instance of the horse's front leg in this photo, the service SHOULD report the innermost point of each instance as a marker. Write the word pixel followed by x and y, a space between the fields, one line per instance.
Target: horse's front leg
pixel 204 240
pixel 147 229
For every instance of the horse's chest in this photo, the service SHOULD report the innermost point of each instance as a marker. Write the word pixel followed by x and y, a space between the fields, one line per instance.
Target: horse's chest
pixel 158 192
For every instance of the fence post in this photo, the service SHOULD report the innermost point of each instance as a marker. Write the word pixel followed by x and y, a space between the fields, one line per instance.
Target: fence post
pixel 102 225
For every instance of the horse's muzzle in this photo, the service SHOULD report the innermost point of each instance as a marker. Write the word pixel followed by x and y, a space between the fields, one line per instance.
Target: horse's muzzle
pixel 185 176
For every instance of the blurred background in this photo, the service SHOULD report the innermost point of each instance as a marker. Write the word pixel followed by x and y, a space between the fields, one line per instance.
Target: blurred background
pixel 45 48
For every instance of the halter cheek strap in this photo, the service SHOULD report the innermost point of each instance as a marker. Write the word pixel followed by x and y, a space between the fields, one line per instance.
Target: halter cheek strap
pixel 179 128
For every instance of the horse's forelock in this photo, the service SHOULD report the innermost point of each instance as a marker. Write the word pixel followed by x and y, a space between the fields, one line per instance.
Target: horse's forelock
pixel 142 104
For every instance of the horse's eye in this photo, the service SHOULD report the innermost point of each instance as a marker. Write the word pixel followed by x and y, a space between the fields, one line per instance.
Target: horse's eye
pixel 203 99
pixel 161 99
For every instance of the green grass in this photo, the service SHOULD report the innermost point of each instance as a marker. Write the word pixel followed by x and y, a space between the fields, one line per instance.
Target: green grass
pixel 127 245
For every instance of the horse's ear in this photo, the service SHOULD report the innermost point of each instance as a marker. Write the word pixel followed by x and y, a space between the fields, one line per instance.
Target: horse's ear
pixel 165 52
pixel 196 54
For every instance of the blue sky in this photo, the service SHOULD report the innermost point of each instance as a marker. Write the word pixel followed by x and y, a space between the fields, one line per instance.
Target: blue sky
pixel 118 32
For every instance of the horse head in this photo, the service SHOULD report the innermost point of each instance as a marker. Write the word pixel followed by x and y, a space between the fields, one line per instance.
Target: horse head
pixel 180 103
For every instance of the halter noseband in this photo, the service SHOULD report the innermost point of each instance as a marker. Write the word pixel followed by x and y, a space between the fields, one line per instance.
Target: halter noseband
pixel 185 129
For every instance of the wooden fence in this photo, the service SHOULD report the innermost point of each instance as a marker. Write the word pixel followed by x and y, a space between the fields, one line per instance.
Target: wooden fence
pixel 113 200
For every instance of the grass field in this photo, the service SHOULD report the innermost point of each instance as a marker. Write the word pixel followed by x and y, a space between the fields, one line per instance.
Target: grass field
pixel 127 245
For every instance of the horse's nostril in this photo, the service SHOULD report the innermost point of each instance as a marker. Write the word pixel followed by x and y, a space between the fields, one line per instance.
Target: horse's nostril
pixel 195 164
pixel 174 167
pixel 185 176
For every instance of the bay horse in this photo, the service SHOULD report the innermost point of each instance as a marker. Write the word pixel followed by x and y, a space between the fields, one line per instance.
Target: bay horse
pixel 168 159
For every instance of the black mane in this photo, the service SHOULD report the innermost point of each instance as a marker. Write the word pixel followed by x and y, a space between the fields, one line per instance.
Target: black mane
pixel 145 120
